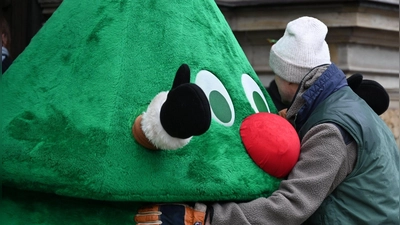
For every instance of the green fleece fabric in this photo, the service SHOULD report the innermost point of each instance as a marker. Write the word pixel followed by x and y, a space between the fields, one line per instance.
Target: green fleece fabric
pixel 69 100
pixel 36 208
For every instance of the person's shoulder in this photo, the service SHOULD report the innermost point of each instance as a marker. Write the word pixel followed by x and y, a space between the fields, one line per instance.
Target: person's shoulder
pixel 6 63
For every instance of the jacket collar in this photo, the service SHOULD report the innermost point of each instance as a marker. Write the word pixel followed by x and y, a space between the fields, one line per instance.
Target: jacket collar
pixel 331 80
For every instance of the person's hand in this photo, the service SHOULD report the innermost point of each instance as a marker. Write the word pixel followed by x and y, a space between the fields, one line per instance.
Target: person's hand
pixel 282 113
pixel 172 214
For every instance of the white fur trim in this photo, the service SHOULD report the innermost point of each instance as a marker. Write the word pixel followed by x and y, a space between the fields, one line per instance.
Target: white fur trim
pixel 152 128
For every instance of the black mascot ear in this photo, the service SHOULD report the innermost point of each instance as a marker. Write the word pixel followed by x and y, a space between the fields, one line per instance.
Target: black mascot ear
pixel 182 76
pixel 373 93
pixel 186 112
pixel 354 81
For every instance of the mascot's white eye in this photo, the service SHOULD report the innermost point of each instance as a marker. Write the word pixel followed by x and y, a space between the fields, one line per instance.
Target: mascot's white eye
pixel 220 101
pixel 254 94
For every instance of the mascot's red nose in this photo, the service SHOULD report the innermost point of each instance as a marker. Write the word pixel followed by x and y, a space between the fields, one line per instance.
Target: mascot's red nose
pixel 272 143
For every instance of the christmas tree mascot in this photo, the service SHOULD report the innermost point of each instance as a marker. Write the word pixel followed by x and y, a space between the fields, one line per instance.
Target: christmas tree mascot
pixel 119 103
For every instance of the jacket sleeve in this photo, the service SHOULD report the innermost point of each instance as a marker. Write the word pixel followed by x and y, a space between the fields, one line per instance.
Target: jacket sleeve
pixel 324 162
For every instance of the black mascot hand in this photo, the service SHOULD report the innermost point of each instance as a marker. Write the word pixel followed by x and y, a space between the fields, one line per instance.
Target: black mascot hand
pixel 373 93
pixel 186 112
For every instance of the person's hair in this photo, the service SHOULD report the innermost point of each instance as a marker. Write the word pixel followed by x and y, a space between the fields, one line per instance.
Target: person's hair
pixel 5 30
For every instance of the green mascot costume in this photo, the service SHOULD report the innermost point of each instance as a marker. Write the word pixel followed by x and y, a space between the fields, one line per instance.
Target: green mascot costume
pixel 116 103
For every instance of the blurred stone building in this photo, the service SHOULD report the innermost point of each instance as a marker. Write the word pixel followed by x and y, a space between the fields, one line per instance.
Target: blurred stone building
pixel 363 35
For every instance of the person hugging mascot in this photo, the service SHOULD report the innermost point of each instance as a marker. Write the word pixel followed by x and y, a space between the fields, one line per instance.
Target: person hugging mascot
pixel 119 103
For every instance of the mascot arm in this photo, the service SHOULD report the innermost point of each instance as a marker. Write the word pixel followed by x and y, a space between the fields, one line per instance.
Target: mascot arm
pixel 173 117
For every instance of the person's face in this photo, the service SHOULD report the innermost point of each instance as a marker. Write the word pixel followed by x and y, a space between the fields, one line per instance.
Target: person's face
pixel 286 90
pixel 3 39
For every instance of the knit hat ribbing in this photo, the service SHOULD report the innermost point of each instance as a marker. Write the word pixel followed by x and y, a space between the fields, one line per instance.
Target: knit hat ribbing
pixel 301 48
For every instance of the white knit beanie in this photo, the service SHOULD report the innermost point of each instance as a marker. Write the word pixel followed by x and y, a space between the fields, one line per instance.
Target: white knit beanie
pixel 301 48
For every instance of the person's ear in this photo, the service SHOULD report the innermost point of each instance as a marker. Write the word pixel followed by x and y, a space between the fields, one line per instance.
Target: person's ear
pixel 3 39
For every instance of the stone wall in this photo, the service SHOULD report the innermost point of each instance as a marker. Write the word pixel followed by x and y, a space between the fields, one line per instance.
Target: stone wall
pixel 392 119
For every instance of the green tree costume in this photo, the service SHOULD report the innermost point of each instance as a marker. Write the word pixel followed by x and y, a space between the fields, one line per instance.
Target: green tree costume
pixel 70 99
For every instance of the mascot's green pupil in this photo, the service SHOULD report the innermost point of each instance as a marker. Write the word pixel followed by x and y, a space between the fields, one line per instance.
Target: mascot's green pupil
pixel 259 102
pixel 220 107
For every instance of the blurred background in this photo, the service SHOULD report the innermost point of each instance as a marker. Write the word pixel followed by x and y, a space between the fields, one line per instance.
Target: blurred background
pixel 363 35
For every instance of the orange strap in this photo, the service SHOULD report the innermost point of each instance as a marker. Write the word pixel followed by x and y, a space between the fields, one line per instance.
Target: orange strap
pixel 192 216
